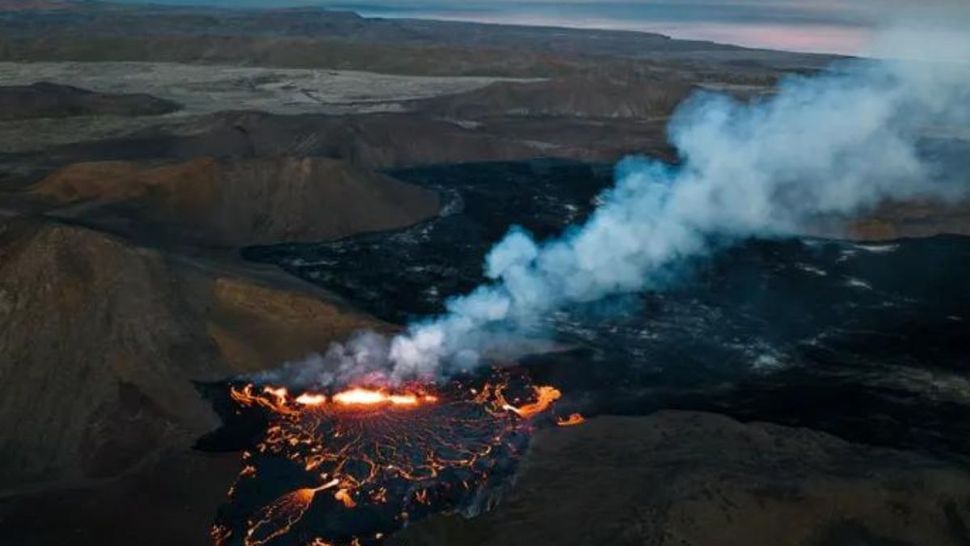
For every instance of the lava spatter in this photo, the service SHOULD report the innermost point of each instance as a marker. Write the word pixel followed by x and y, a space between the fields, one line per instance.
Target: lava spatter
pixel 571 421
pixel 349 468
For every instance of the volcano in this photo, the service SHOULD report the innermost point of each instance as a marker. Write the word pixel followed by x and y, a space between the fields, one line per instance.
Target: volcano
pixel 349 468
pixel 871 335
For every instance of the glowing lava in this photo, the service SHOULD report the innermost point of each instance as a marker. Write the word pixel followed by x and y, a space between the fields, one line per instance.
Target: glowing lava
pixel 368 397
pixel 307 399
pixel 278 518
pixel 545 396
pixel 573 420
pixel 388 457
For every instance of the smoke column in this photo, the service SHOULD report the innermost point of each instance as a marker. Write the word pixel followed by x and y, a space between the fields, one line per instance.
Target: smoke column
pixel 837 143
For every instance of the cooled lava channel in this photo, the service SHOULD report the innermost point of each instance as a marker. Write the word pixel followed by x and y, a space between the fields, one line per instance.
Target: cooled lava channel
pixel 348 468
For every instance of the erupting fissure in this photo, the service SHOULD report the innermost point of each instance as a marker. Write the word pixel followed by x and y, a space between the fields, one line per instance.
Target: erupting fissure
pixel 367 461
pixel 827 146
pixel 821 149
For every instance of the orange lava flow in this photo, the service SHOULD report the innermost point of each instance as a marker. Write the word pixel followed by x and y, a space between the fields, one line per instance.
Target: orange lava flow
pixel 406 453
pixel 369 397
pixel 279 400
pixel 344 497
pixel 572 420
pixel 545 396
pixel 278 518
pixel 307 399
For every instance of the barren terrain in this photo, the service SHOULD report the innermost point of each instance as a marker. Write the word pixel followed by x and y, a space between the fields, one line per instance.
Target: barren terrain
pixel 211 88
pixel 149 146
pixel 206 89
pixel 696 479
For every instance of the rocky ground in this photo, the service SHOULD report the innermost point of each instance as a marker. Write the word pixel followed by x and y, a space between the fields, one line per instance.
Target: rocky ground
pixel 697 479
pixel 684 478
pixel 186 91
pixel 210 88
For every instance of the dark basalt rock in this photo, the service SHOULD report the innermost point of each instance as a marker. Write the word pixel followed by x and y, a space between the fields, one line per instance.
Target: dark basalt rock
pixel 698 479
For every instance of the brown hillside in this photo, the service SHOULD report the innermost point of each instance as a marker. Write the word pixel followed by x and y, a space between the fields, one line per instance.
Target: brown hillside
pixel 912 219
pixel 100 342
pixel 898 220
pixel 237 202
pixel 368 141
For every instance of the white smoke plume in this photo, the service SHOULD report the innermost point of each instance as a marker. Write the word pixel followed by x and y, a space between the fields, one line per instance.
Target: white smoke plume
pixel 836 143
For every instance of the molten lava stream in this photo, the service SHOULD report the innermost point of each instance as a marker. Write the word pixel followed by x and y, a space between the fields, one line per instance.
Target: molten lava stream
pixel 545 396
pixel 573 420
pixel 381 458
pixel 278 518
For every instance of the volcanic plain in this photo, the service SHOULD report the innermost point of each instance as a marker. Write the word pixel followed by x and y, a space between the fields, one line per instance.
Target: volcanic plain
pixel 145 151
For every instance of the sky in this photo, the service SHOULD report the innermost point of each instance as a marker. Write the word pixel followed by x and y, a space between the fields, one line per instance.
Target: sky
pixel 827 26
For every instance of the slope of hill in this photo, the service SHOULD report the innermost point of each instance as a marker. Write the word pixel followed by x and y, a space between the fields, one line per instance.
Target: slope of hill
pixel 913 219
pixel 370 141
pixel 236 202
pixel 100 342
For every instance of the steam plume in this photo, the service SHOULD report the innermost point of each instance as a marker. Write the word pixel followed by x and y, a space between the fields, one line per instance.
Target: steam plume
pixel 832 144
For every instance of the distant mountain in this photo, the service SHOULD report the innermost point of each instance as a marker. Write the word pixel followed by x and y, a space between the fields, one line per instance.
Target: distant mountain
pixel 341 39
pixel 37 5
